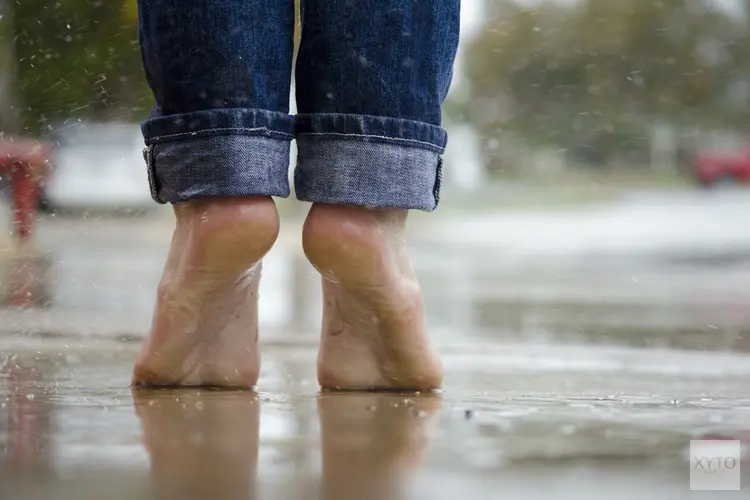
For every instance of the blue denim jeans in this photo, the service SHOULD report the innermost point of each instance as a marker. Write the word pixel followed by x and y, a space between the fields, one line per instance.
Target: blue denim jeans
pixel 370 79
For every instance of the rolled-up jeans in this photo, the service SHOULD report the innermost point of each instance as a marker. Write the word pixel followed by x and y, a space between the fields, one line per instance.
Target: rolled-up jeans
pixel 370 80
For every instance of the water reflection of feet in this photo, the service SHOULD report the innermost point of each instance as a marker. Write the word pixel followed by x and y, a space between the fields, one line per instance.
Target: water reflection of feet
pixel 26 420
pixel 201 444
pixel 204 444
pixel 372 443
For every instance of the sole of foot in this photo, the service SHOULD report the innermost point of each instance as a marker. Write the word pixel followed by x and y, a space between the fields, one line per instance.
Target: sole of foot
pixel 374 331
pixel 205 326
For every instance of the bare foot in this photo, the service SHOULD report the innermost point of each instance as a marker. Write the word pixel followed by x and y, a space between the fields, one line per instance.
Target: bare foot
pixel 374 331
pixel 205 326
pixel 200 444
pixel 372 443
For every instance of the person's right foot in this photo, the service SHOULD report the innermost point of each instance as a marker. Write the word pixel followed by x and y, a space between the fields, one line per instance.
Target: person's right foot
pixel 205 326
pixel 374 331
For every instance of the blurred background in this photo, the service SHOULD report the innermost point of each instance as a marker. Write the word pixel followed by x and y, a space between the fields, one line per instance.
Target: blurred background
pixel 594 186
pixel 593 219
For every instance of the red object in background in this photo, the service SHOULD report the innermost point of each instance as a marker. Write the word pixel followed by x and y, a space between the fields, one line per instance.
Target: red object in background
pixel 25 161
pixel 717 168
pixel 743 437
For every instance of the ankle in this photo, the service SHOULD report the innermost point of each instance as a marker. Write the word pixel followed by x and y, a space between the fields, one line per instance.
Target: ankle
pixel 341 240
pixel 245 227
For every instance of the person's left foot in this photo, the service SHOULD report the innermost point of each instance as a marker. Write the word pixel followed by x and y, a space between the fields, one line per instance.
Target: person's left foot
pixel 374 328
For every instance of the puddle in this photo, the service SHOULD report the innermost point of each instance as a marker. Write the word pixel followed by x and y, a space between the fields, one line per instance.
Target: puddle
pixel 70 427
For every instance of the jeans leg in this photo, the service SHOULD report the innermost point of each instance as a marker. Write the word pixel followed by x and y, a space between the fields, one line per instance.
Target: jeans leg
pixel 220 72
pixel 372 76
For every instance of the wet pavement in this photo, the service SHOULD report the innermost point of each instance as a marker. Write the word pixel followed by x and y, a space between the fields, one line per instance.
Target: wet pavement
pixel 646 225
pixel 512 422
pixel 688 289
pixel 577 369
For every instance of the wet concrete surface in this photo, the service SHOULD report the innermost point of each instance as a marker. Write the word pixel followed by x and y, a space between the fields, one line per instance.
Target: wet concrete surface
pixel 640 224
pixel 577 369
pixel 102 273
pixel 512 422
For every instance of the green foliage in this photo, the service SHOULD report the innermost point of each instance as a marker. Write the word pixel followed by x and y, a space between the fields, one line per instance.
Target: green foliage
pixel 78 59
pixel 598 73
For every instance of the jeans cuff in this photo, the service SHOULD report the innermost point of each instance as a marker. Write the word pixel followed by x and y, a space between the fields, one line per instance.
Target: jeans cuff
pixel 217 153
pixel 369 161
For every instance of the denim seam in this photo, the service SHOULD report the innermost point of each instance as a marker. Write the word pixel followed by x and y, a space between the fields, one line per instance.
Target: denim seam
pixel 148 155
pixel 436 189
pixel 208 131
pixel 369 136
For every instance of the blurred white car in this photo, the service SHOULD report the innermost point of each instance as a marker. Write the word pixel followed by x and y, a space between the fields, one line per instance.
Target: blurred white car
pixel 99 167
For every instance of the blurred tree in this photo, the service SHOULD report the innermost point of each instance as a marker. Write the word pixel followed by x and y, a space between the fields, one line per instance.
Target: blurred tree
pixel 594 75
pixel 131 11
pixel 78 58
pixel 8 100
